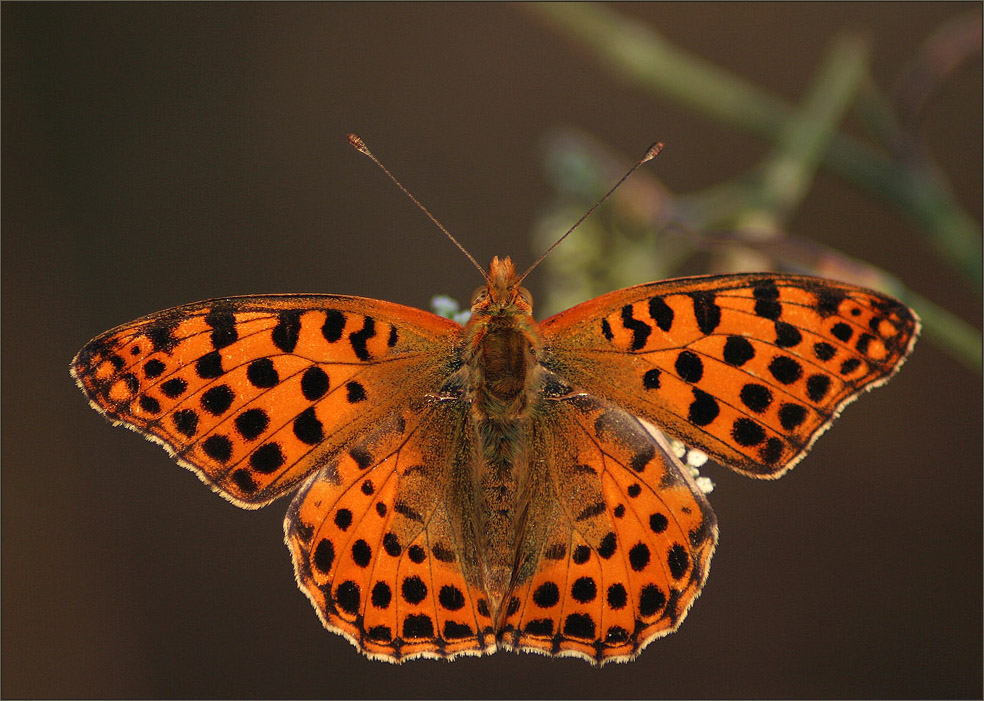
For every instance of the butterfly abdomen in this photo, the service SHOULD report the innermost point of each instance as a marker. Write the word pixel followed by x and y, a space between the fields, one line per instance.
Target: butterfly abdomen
pixel 500 368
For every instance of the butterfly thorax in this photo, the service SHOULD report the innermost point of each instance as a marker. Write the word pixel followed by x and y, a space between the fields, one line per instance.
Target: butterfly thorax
pixel 502 343
pixel 501 361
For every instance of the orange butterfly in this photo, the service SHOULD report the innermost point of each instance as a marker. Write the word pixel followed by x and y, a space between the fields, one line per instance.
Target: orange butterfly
pixel 494 486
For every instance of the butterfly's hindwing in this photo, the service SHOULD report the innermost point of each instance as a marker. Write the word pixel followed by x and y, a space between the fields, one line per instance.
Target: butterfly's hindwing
pixel 380 546
pixel 619 540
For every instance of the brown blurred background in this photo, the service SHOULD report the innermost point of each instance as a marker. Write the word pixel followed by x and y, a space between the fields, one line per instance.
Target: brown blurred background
pixel 160 154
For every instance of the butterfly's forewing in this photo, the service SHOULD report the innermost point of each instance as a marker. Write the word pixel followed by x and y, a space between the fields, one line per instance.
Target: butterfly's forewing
pixel 380 544
pixel 750 368
pixel 619 539
pixel 253 393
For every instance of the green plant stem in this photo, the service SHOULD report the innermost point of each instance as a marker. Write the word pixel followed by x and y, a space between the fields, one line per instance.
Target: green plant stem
pixel 788 171
pixel 643 56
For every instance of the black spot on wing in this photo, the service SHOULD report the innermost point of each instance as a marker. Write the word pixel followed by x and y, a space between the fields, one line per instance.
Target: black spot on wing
pixel 343 519
pixel 154 368
pixel 261 373
pixel 161 336
pixel 747 432
pixel 443 553
pixel 267 458
pixel 217 447
pixel 131 381
pixel 354 392
pixel 842 331
pixel 642 457
pixel 824 351
pixel 678 561
pixel 308 428
pixel 608 545
pixel 785 369
pixel 850 365
pixel 539 627
pixel 223 323
pixel 689 366
pixel 706 311
pixel 591 511
pixel 547 595
pixel 391 544
pixel 579 625
pixel 661 313
pixel 251 423
pixel 418 625
pixel 772 451
pixel 348 597
pixel 767 303
pixel 287 330
pixel 174 387
pixel 738 351
pixel 581 554
pixel 359 339
pixel 791 415
pixel 651 600
pixel 209 366
pixel 787 335
pixel 864 340
pixel 361 456
pixel 333 326
pixel 361 553
pixel 217 400
pixel 314 383
pixel 620 427
pixel 817 387
pixel 606 330
pixel 640 330
pixel 828 301
pixel 650 379
pixel 403 508
pixel 704 409
pixel 242 479
pixel 186 422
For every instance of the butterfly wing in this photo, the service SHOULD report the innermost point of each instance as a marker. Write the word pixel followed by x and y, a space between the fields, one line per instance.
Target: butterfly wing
pixel 253 393
pixel 618 540
pixel 379 535
pixel 750 368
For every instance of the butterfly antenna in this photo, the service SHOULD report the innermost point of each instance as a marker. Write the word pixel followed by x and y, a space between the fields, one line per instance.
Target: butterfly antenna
pixel 651 153
pixel 360 146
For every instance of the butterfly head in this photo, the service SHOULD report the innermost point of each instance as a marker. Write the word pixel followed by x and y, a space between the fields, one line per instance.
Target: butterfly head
pixel 502 293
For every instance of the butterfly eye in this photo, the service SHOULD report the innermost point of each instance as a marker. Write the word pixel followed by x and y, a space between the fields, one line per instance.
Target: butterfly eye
pixel 479 296
pixel 525 296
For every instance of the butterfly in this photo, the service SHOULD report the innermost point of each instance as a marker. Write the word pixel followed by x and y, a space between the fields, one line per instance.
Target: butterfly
pixel 505 484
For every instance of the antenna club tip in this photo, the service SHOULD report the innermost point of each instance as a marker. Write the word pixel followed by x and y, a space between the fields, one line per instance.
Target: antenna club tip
pixel 653 151
pixel 358 143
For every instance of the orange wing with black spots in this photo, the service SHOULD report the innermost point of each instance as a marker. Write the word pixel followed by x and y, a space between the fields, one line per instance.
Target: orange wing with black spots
pixel 750 368
pixel 623 536
pixel 384 549
pixel 253 393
